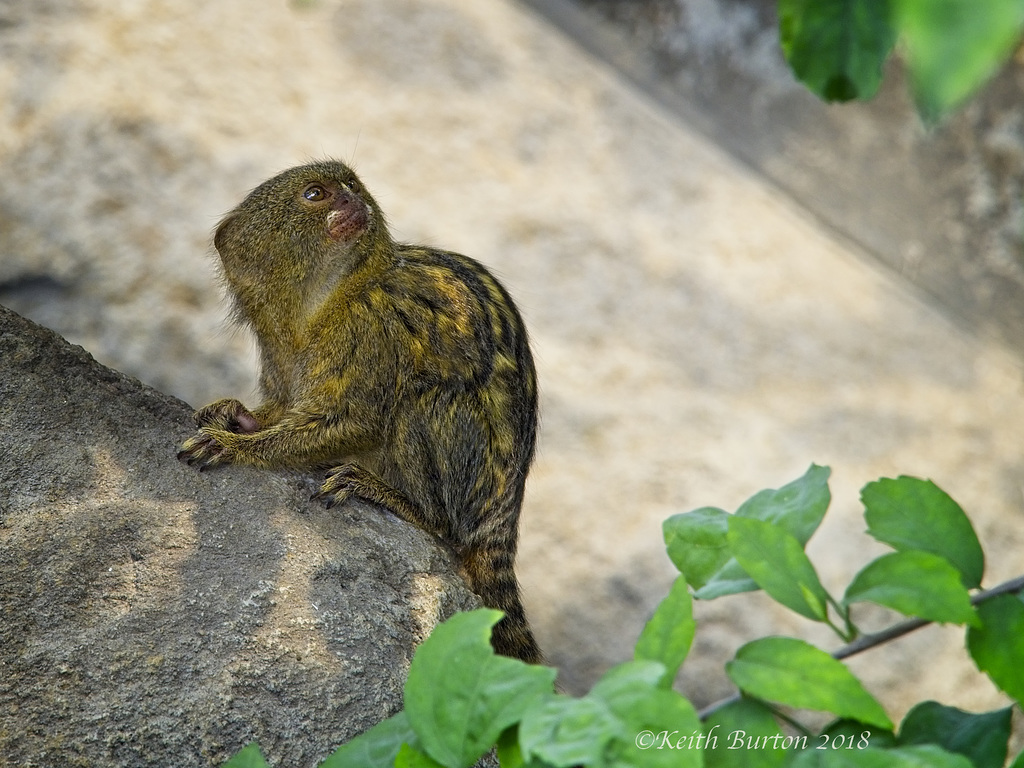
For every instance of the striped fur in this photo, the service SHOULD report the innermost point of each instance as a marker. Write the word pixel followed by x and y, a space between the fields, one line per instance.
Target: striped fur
pixel 402 369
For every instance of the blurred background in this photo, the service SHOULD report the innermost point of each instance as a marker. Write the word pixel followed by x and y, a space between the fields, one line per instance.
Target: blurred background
pixel 724 279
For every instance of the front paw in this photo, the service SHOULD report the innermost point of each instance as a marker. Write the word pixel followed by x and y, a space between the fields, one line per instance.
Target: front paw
pixel 341 482
pixel 204 450
pixel 227 414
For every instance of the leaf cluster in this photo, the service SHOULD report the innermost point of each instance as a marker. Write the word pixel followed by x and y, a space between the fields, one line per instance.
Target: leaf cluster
pixel 838 48
pixel 461 700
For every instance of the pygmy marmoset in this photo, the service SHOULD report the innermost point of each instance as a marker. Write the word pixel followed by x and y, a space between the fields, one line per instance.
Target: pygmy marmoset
pixel 403 370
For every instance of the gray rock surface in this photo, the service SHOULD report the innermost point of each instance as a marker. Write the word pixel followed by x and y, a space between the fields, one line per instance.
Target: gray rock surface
pixel 156 616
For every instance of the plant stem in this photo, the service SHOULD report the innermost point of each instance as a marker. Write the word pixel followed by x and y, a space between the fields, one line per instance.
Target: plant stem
pixel 865 642
pixel 905 627
pixel 794 724
pixel 850 632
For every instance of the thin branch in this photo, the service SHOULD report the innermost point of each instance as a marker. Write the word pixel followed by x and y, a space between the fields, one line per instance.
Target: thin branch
pixel 865 642
pixel 906 627
pixel 795 724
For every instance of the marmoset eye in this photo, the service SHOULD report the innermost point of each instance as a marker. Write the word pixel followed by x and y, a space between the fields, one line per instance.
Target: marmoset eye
pixel 315 193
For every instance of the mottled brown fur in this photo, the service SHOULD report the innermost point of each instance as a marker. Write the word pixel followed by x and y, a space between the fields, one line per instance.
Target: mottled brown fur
pixel 402 369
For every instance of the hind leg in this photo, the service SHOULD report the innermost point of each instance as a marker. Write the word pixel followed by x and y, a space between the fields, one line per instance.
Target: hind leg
pixel 353 480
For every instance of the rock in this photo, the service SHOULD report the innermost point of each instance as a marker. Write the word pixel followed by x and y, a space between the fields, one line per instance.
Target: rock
pixel 153 615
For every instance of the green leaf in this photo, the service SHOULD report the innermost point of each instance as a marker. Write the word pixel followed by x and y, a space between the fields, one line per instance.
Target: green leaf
pixel 837 47
pixel 610 725
pixel 1018 762
pixel 663 714
pixel 746 717
pixel 375 748
pixel 460 696
pixel 908 513
pixel 953 46
pixel 731 579
pixel 696 543
pixel 510 754
pixel 795 673
pixel 669 633
pixel 777 563
pixel 249 757
pixel 915 583
pixel 410 757
pixel 631 692
pixel 997 647
pixel 982 739
pixel 623 686
pixel 567 731
pixel 796 507
pixel 928 756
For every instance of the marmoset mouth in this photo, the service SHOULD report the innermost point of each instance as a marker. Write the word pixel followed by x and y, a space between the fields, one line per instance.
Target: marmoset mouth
pixel 348 221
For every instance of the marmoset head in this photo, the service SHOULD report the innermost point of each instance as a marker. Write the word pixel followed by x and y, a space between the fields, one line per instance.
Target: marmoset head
pixel 308 224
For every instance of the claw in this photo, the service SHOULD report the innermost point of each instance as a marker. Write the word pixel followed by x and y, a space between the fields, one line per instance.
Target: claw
pixel 200 452
pixel 329 499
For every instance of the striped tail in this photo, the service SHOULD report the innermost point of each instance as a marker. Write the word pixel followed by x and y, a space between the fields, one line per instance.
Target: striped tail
pixel 490 573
